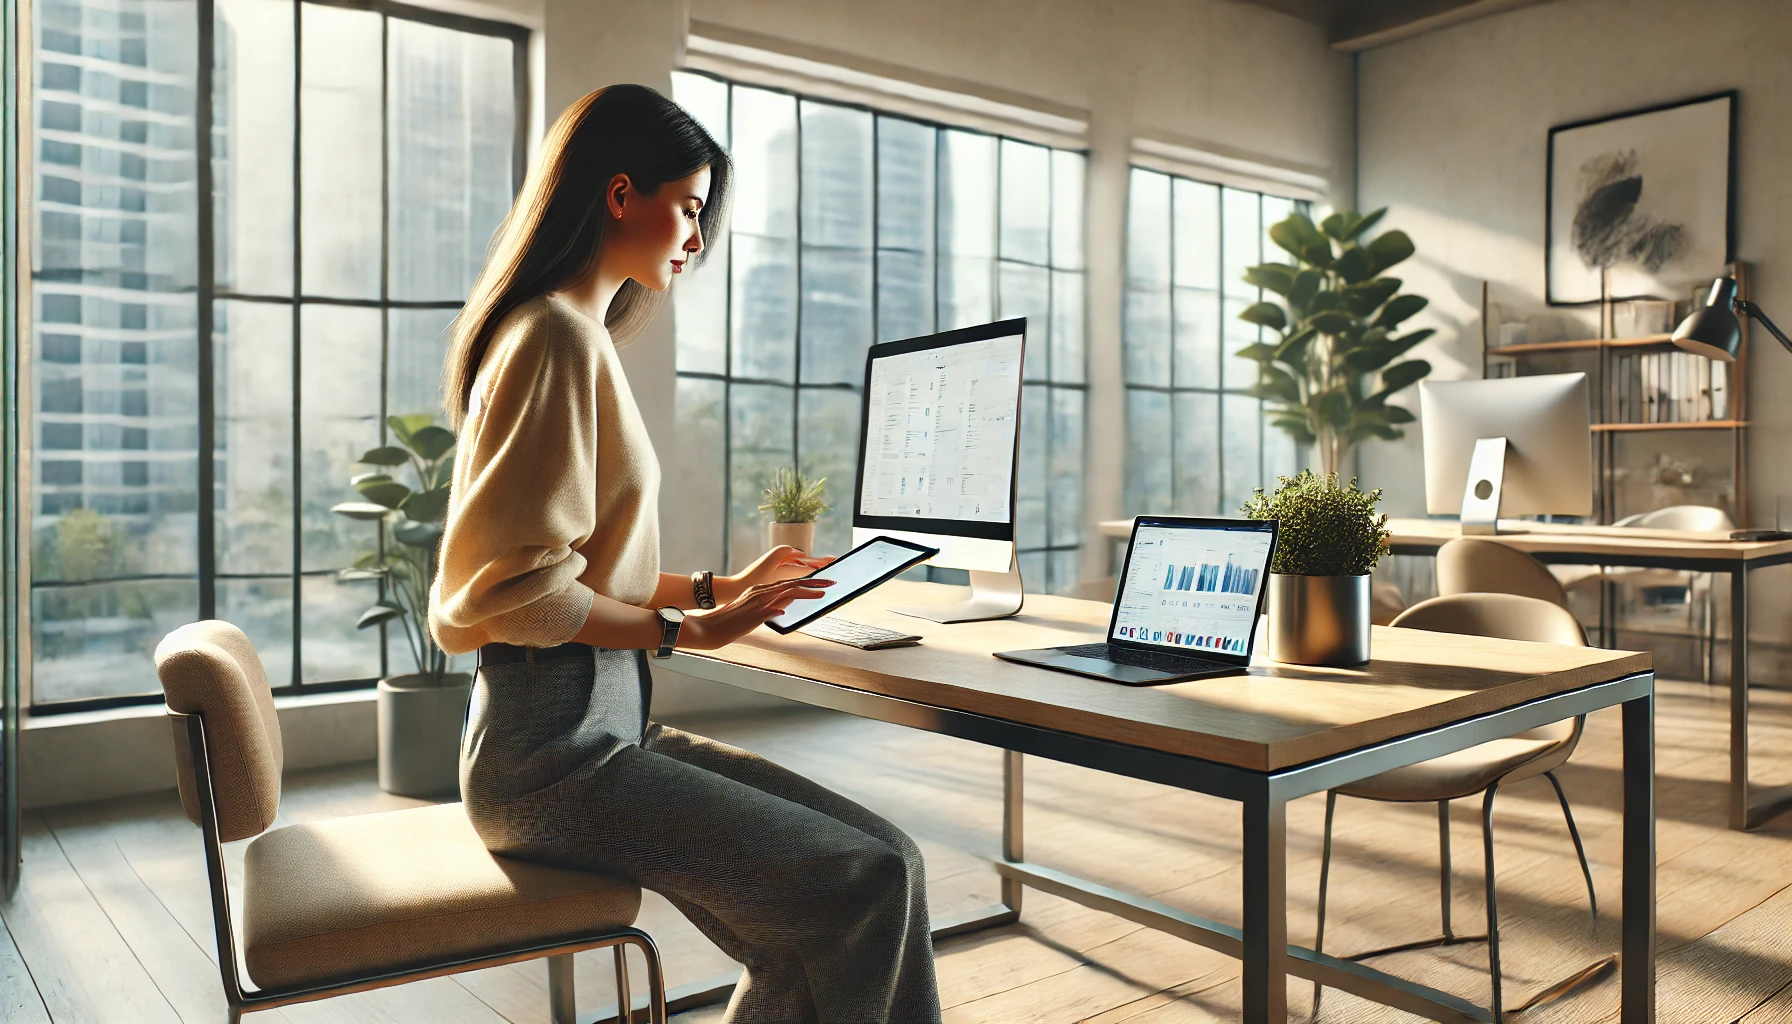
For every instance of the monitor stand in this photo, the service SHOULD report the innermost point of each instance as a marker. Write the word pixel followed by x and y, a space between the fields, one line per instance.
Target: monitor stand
pixel 994 595
pixel 1481 496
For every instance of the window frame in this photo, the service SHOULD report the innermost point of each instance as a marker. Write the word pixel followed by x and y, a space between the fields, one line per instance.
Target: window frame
pixel 727 378
pixel 1221 390
pixel 209 293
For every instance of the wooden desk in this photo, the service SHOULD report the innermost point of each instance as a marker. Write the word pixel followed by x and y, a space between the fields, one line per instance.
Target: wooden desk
pixel 1681 550
pixel 1263 738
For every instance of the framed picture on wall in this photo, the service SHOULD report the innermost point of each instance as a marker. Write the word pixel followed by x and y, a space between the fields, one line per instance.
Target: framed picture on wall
pixel 1644 198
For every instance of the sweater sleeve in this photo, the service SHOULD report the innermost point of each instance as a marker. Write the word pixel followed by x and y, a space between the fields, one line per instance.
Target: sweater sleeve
pixel 523 498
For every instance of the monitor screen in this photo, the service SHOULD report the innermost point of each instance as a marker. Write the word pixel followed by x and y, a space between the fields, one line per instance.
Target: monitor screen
pixel 1193 587
pixel 941 425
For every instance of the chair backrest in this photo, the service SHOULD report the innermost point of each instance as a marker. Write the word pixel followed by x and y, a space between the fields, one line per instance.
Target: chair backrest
pixel 1507 616
pixel 1474 565
pixel 1702 518
pixel 210 669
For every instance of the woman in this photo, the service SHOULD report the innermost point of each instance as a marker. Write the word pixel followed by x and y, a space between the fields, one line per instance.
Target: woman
pixel 550 569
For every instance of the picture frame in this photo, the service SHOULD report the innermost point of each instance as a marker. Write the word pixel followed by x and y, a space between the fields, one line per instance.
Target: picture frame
pixel 1642 203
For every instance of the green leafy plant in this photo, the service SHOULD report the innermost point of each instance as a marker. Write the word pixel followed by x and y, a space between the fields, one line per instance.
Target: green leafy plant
pixel 793 498
pixel 1332 368
pixel 1327 528
pixel 410 521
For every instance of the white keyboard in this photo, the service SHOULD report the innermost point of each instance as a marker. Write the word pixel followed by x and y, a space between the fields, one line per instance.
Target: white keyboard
pixel 857 634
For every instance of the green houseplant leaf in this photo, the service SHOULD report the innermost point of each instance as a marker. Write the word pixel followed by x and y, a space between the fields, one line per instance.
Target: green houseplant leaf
pixel 1274 277
pixel 431 442
pixel 417 534
pixel 1265 314
pixel 360 510
pixel 381 489
pixel 377 614
pixel 426 506
pixel 386 455
pixel 1388 249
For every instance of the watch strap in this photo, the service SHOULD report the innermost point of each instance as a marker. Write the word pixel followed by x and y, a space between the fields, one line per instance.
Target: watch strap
pixel 669 628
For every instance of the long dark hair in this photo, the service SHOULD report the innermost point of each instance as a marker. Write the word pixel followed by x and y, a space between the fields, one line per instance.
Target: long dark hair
pixel 555 230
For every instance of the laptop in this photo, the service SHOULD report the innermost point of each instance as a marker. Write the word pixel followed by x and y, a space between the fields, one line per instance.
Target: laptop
pixel 1190 596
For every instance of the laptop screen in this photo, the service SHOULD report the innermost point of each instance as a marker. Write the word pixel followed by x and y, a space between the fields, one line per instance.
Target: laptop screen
pixel 1193 587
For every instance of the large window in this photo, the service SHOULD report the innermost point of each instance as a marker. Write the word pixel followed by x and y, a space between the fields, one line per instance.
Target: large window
pixel 360 160
pixel 851 226
pixel 1197 444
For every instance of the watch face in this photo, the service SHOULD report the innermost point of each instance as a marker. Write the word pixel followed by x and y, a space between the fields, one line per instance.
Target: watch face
pixel 671 614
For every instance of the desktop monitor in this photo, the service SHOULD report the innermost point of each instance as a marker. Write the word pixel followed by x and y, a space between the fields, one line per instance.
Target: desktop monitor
pixel 1509 446
pixel 939 445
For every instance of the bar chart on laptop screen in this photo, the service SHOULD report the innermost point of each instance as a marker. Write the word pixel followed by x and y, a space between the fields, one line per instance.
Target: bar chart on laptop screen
pixel 1193 588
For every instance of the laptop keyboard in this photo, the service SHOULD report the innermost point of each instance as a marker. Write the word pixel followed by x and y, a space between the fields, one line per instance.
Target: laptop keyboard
pixel 1143 659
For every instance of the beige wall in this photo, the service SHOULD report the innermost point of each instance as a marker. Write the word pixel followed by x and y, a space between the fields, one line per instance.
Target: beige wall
pixel 1453 134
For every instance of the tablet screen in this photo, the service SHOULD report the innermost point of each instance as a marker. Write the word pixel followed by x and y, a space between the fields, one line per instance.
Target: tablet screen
pixel 853 573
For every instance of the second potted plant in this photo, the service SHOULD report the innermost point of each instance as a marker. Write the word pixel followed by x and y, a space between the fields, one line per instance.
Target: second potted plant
pixel 1330 537
pixel 420 713
pixel 794 502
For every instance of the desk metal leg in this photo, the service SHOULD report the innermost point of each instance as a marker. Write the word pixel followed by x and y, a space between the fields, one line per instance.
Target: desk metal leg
pixel 1749 808
pixel 1013 852
pixel 1013 824
pixel 1265 909
pixel 1638 961
pixel 1739 698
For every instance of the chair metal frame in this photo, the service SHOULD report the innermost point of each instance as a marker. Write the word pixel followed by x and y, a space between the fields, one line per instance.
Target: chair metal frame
pixel 559 954
pixel 1445 882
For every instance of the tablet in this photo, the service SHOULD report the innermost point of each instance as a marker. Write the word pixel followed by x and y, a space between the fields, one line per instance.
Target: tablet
pixel 853 573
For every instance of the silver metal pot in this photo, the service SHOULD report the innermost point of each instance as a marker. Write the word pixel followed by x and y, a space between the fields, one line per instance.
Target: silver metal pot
pixel 419 728
pixel 1319 620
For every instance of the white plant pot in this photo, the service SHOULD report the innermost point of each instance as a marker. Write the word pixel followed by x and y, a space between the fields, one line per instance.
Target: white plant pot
pixel 800 536
pixel 419 727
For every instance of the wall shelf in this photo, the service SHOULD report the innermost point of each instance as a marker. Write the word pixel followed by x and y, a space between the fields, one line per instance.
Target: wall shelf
pixel 1714 450
pixel 1690 425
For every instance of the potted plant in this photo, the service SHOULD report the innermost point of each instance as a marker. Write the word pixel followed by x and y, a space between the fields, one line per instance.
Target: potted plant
pixel 1331 370
pixel 420 713
pixel 1328 539
pixel 794 503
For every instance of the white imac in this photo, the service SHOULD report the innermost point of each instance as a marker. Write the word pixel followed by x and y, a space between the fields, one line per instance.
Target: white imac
pixel 939 443
pixel 1509 446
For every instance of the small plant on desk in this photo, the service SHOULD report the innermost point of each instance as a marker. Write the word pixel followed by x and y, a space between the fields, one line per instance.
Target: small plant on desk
pixel 794 503
pixel 1329 536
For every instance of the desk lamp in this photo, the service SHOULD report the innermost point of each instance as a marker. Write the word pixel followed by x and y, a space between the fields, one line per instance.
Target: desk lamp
pixel 1714 332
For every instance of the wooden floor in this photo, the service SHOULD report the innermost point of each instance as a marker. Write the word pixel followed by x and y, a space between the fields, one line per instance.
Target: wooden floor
pixel 112 923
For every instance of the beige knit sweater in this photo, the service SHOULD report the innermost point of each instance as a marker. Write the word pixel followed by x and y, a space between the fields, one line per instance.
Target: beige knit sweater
pixel 556 488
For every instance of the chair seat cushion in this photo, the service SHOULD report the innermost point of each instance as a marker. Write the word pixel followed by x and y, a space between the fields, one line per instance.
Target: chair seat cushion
pixel 1470 771
pixel 353 897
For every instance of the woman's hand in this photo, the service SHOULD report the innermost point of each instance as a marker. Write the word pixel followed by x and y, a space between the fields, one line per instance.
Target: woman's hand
pixel 780 563
pixel 705 631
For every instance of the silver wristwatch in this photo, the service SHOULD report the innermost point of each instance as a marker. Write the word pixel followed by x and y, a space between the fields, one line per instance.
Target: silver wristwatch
pixel 670 620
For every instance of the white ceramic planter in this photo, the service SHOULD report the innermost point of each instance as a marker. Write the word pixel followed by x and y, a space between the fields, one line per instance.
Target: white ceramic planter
pixel 1319 620
pixel 800 536
pixel 419 727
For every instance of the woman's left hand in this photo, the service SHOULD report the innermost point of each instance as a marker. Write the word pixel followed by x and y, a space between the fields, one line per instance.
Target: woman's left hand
pixel 780 563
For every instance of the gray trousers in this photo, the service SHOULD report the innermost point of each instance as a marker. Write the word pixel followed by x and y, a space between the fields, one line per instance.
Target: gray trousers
pixel 823 902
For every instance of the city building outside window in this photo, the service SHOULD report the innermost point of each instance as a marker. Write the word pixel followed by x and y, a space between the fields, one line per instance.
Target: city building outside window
pixel 360 159
pixel 1197 444
pixel 852 226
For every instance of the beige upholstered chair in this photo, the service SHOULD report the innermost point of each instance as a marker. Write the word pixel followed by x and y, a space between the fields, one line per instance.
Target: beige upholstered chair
pixel 1476 565
pixel 363 902
pixel 1479 769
